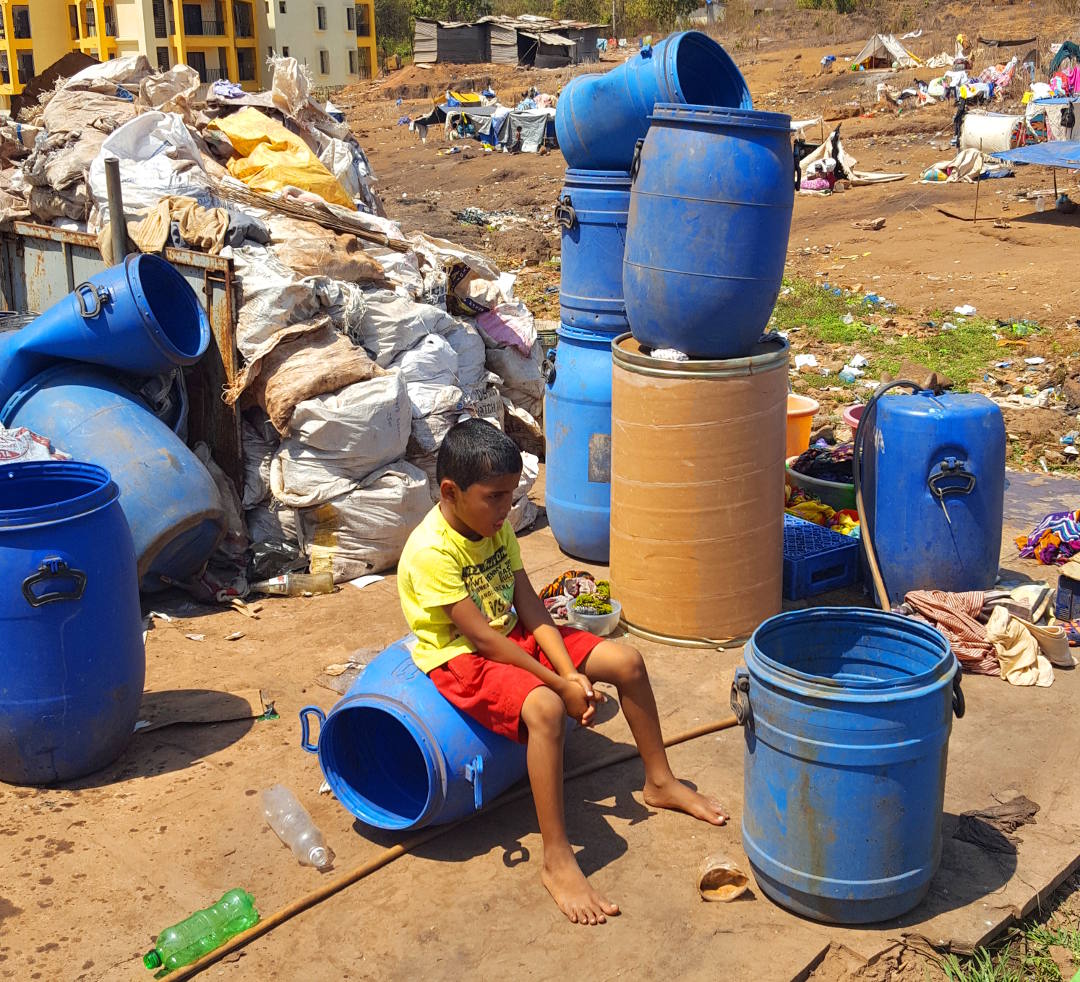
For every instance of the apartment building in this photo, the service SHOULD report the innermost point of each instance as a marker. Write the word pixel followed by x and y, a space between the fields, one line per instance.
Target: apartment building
pixel 218 38
pixel 334 38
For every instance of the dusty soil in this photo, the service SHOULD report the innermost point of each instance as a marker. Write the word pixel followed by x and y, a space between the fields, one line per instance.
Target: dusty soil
pixel 1021 265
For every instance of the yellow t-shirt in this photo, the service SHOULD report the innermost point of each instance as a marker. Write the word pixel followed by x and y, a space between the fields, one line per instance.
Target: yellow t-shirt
pixel 439 567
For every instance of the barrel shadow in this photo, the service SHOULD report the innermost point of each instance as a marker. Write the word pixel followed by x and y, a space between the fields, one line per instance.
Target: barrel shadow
pixel 176 746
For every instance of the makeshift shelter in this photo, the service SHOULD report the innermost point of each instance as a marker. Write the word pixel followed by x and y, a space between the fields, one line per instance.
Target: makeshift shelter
pixel 452 41
pixel 544 50
pixel 884 51
pixel 503 43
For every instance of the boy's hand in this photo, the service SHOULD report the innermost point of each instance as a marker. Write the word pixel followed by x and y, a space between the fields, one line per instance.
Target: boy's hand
pixel 582 709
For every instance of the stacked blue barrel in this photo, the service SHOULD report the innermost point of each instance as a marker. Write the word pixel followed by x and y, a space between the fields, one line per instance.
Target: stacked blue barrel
pixel 675 215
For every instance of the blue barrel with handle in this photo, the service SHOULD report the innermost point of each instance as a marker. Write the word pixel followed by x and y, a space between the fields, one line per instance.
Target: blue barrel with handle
pixel 577 433
pixel 933 484
pixel 847 714
pixel 399 756
pixel 600 117
pixel 73 658
pixel 140 316
pixel 592 211
pixel 707 233
pixel 170 501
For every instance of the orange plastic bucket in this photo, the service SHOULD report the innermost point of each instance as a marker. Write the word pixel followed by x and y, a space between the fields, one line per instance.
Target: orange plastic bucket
pixel 800 418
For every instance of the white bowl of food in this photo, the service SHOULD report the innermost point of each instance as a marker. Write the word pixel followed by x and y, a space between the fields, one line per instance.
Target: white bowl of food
pixel 584 619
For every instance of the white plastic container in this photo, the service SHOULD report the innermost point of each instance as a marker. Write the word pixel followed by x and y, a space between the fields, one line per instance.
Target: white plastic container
pixel 599 624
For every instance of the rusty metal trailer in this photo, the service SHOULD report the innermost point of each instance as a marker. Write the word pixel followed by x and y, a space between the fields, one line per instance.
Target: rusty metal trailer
pixel 40 265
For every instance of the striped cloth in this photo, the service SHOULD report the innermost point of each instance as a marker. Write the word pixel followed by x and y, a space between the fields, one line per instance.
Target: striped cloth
pixel 956 616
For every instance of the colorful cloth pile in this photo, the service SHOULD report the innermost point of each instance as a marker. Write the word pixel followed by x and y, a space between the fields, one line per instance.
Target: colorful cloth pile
pixel 1054 541
pixel 802 504
pixel 827 463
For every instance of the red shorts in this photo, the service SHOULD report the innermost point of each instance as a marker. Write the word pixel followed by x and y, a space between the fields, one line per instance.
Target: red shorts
pixel 491 692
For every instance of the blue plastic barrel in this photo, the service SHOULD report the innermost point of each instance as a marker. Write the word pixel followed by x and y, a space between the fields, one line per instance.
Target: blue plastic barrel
pixel 934 492
pixel 707 234
pixel 847 714
pixel 592 212
pixel 140 317
pixel 70 621
pixel 170 501
pixel 398 755
pixel 599 118
pixel 577 430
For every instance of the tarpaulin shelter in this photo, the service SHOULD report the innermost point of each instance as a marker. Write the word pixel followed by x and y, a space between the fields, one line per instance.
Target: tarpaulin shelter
pixel 451 41
pixel 1056 153
pixel 883 51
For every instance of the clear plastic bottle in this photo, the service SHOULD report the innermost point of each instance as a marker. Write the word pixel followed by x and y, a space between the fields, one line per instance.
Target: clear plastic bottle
pixel 202 932
pixel 296 584
pixel 293 826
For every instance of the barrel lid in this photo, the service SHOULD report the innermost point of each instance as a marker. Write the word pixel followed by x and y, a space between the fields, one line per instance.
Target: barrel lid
pixel 769 353
pixel 671 112
pixel 577 177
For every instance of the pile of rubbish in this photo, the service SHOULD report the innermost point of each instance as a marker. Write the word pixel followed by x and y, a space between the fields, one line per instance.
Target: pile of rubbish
pixel 361 346
pixel 526 127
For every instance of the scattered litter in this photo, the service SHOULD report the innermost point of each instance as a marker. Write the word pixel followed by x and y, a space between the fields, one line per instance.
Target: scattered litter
pixel 858 361
pixel 1034 360
pixel 870 224
pixel 158 615
pixel 964 310
pixel 805 361
pixel 195 637
pixel 669 354
pixel 362 581
pixel 847 319
pixel 235 636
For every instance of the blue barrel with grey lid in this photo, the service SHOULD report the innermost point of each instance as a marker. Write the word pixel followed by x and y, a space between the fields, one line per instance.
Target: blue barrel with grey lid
pixel 592 212
pixel 847 714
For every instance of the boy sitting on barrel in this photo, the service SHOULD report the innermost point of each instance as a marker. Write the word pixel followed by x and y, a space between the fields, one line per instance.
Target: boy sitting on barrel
pixel 487 642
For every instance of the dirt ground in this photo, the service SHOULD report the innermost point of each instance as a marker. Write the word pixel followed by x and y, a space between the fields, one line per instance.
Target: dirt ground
pixel 90 872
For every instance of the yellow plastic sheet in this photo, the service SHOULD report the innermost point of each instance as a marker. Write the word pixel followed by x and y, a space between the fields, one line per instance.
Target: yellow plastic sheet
pixel 465 98
pixel 271 158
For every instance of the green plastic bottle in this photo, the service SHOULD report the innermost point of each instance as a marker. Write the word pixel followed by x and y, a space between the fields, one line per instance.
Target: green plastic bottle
pixel 202 932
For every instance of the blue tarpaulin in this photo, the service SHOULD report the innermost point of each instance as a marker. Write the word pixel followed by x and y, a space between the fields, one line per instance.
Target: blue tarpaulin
pixel 1057 153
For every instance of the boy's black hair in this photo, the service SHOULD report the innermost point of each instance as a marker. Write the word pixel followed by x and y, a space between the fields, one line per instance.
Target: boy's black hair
pixel 474 450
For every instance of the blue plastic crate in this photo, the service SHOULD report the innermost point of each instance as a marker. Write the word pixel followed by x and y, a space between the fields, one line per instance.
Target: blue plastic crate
pixel 817 559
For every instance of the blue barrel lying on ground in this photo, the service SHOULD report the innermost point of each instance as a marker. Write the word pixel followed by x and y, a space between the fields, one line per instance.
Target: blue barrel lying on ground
pixel 170 501
pixel 139 317
pixel 933 484
pixel 847 715
pixel 577 433
pixel 74 663
pixel 599 118
pixel 592 211
pixel 399 756
pixel 707 234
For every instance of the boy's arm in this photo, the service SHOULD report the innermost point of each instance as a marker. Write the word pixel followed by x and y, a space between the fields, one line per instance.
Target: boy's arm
pixel 489 643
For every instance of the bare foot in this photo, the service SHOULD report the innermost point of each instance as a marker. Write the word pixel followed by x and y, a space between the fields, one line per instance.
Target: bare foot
pixel 571 891
pixel 678 797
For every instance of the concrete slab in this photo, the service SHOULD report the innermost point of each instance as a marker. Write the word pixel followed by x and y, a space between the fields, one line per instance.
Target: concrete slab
pixel 89 873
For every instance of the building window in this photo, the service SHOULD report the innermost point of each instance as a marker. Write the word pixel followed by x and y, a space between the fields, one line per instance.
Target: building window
pixel 281 6
pixel 350 18
pixel 163 59
pixel 352 61
pixel 320 16
pixel 21 18
pixel 365 63
pixel 285 51
pixel 245 64
pixel 160 23
pixel 26 66
pixel 73 23
pixel 363 20
pixel 324 61
pixel 110 20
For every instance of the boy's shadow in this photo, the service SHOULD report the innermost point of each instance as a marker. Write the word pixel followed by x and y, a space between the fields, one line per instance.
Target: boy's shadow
pixel 589 810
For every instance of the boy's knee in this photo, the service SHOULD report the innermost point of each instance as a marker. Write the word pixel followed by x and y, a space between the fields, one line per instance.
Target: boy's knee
pixel 544 712
pixel 631 665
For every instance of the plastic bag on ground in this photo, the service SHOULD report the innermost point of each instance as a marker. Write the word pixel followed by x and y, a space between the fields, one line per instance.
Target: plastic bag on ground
pixel 291 84
pixel 365 530
pixel 508 325
pixel 393 324
pixel 337 157
pixel 338 440
pixel 127 71
pixel 522 377
pixel 270 158
pixel 471 353
pixel 273 523
pixel 21 445
pixel 431 360
pixel 259 444
pixel 307 366
pixel 170 92
pixel 157 158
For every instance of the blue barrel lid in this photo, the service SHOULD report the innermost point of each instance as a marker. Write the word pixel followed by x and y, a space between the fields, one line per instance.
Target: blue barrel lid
pixel 671 112
pixel 54 491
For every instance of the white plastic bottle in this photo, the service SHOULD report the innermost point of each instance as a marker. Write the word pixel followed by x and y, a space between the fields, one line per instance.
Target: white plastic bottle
pixel 293 826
